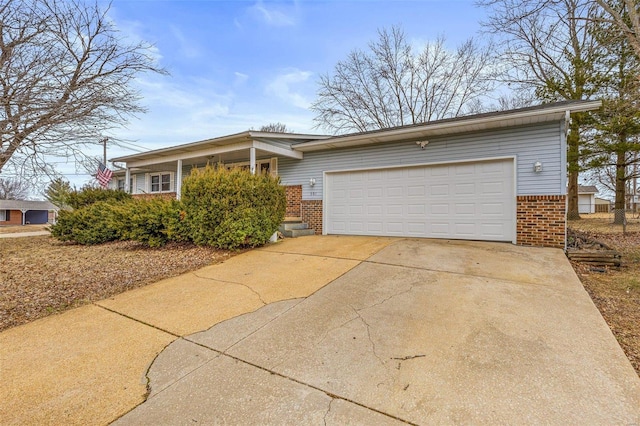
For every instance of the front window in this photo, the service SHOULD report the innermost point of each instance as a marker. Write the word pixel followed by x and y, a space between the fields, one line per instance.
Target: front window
pixel 161 182
pixel 120 184
pixel 3 215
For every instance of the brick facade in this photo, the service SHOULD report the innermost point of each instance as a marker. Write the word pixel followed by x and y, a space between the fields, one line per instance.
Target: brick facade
pixel 294 200
pixel 312 214
pixel 15 218
pixel 541 220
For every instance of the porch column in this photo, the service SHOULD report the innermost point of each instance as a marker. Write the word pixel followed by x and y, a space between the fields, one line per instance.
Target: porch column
pixel 179 180
pixel 127 179
pixel 252 160
pixel 24 213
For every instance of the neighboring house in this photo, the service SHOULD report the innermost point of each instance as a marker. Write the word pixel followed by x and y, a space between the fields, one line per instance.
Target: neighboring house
pixel 498 176
pixel 18 212
pixel 587 199
pixel 602 205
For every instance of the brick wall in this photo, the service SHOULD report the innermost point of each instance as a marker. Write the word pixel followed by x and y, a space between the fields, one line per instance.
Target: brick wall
pixel 541 220
pixel 294 200
pixel 163 195
pixel 15 218
pixel 312 214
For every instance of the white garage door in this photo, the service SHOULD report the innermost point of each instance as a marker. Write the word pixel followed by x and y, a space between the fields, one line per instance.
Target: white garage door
pixel 474 201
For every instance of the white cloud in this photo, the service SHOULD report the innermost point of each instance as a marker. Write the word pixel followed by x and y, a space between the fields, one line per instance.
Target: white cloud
pixel 187 48
pixel 271 15
pixel 283 86
pixel 240 78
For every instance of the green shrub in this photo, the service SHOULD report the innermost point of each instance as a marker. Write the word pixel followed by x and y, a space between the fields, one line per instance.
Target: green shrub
pixel 154 222
pixel 232 209
pixel 89 195
pixel 93 224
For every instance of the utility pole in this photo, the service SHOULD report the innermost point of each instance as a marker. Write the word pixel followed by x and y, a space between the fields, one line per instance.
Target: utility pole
pixel 104 150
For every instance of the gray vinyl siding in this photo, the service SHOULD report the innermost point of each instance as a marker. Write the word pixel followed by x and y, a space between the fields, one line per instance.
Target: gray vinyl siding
pixel 544 143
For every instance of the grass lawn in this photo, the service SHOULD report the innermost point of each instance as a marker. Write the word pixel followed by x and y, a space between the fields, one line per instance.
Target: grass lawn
pixel 616 292
pixel 11 229
pixel 40 276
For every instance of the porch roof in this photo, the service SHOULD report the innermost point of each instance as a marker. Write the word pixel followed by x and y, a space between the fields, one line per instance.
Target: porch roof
pixel 267 142
pixel 27 205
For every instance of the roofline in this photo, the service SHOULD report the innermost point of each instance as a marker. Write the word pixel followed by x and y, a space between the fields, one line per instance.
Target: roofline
pixel 453 123
pixel 236 137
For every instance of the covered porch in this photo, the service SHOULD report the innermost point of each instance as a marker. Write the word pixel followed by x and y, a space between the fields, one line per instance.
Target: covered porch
pixel 161 171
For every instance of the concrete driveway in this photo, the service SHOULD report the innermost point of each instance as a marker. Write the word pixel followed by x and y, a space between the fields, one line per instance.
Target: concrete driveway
pixel 421 332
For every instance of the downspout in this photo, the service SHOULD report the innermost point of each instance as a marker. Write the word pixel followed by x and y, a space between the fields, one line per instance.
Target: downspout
pixel 563 155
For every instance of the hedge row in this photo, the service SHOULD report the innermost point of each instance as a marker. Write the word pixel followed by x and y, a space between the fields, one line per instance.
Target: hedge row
pixel 221 208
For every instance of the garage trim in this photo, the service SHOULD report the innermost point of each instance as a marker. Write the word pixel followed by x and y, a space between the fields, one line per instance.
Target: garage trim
pixel 512 158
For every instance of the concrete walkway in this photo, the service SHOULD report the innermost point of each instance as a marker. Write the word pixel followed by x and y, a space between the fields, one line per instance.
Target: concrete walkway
pixel 332 330
pixel 24 234
pixel 88 365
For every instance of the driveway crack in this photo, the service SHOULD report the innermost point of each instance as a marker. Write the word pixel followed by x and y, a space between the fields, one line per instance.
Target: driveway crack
pixel 235 283
pixel 373 344
pixel 324 419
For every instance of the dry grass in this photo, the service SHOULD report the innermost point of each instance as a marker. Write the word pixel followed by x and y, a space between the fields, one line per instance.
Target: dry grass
pixel 616 292
pixel 10 229
pixel 40 276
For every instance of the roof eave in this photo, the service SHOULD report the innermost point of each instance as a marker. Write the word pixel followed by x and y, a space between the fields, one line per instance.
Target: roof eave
pixel 449 127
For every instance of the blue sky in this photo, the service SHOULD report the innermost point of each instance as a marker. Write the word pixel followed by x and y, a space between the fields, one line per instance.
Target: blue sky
pixel 241 64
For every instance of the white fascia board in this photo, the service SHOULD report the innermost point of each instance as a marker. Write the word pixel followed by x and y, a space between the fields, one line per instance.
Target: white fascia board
pixel 192 154
pixel 262 146
pixel 216 151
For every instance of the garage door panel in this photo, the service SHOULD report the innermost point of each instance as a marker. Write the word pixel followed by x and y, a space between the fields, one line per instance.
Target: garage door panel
pixel 440 229
pixel 493 209
pixel 493 188
pixel 416 191
pixel 465 189
pixel 462 209
pixel 416 209
pixel 440 209
pixel 440 190
pixel 466 201
pixel 395 192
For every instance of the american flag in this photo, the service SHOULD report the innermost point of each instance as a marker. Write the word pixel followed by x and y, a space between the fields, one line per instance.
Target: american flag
pixel 103 175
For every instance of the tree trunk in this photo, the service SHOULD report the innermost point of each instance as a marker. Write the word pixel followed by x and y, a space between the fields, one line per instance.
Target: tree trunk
pixel 620 205
pixel 573 154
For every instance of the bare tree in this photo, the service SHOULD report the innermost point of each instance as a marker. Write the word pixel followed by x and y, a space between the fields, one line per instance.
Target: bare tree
pixel 275 128
pixel 66 77
pixel 548 47
pixel 391 85
pixel 13 189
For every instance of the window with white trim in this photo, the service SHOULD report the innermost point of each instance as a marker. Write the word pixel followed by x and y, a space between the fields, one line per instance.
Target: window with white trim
pixel 3 215
pixel 160 182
